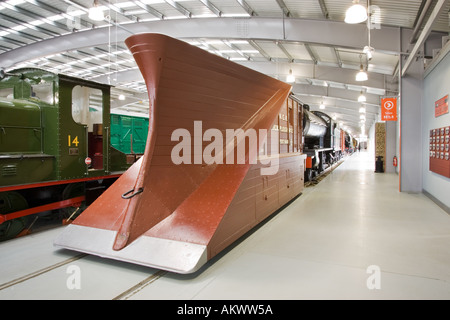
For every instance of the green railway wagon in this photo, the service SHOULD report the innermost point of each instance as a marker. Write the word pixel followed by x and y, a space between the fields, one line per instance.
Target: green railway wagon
pixel 56 153
pixel 129 133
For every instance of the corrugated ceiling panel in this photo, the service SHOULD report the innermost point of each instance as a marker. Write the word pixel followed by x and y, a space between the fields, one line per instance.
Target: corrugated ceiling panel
pixel 350 58
pixel 167 10
pixel 324 54
pixel 443 21
pixel 398 13
pixel 14 14
pixel 297 51
pixel 229 7
pixel 37 10
pixel 197 8
pixel 272 49
pixel 308 9
pixel 336 8
pixel 265 8
pixel 393 13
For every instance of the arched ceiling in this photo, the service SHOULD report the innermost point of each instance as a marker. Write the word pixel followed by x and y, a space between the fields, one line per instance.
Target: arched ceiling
pixel 275 37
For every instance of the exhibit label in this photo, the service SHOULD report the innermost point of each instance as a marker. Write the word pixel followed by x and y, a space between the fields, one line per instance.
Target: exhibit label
pixel 441 106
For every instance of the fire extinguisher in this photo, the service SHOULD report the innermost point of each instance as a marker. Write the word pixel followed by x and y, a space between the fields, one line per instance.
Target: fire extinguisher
pixel 395 161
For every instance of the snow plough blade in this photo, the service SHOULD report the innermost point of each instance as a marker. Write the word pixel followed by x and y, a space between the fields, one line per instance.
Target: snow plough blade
pixel 175 210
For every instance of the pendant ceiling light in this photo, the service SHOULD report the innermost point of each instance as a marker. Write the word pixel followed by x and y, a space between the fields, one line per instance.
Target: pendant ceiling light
pixel 357 13
pixel 290 78
pixel 361 75
pixel 362 97
pixel 96 13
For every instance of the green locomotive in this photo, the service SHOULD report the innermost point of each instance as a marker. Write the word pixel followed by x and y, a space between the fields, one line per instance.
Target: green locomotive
pixel 55 146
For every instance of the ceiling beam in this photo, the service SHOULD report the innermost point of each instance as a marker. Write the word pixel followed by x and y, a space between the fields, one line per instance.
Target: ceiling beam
pixel 307 73
pixel 440 5
pixel 319 72
pixel 343 95
pixel 312 31
pixel 324 9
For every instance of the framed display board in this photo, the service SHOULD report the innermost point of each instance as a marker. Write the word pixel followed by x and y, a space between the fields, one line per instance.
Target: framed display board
pixel 439 151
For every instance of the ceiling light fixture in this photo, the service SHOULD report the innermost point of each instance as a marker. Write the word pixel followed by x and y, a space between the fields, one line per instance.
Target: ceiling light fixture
pixel 361 75
pixel 362 110
pixel 96 13
pixel 290 78
pixel 357 13
pixel 362 97
pixel 322 106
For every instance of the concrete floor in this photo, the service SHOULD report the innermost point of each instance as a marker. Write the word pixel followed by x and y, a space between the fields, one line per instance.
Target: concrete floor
pixel 352 236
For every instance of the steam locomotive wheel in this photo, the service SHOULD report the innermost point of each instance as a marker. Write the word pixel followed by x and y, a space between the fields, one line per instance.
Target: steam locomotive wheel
pixel 11 202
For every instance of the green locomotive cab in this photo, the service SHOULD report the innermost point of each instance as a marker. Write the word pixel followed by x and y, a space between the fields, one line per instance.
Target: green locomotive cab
pixel 55 145
pixel 54 127
pixel 86 135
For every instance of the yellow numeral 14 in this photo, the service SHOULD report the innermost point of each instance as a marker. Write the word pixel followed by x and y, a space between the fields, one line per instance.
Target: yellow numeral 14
pixel 74 141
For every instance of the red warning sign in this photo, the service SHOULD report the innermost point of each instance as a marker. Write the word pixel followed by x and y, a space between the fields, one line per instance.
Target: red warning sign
pixel 88 161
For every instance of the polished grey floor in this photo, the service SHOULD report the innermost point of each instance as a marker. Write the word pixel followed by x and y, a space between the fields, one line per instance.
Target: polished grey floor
pixel 352 236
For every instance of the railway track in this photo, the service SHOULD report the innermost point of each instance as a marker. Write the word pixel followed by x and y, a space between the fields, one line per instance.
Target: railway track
pixel 323 174
pixel 141 285
pixel 40 272
pixel 126 294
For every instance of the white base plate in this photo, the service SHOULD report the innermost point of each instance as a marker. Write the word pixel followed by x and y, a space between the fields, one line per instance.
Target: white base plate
pixel 170 255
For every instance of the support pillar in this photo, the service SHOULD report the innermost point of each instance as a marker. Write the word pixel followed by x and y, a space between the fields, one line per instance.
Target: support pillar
pixel 411 94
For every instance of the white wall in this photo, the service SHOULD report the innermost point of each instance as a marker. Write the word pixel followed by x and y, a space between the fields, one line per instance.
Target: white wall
pixel 436 86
